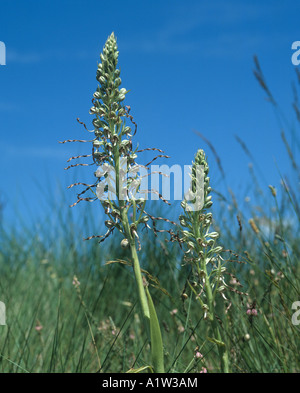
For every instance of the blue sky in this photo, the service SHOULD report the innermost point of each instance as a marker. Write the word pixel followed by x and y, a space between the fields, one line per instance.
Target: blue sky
pixel 188 64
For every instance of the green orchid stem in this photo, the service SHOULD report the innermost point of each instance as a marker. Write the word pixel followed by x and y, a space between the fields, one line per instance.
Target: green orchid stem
pixel 223 353
pixel 136 264
pixel 140 284
pixel 157 349
pixel 148 310
pixel 149 314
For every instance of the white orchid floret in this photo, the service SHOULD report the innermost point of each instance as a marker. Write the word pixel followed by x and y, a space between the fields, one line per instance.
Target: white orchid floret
pixel 212 235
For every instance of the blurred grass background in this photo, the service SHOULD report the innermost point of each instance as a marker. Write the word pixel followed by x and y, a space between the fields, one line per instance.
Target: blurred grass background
pixel 70 311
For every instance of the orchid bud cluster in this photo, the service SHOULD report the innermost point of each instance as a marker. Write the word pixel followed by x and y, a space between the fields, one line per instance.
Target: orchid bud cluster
pixel 112 145
pixel 108 109
pixel 201 248
pixel 109 122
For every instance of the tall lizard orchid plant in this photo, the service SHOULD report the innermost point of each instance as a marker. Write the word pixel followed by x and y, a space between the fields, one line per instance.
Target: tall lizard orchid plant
pixel 117 178
pixel 203 253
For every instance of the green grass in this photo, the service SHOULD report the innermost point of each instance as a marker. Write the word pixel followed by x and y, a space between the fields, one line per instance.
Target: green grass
pixel 88 329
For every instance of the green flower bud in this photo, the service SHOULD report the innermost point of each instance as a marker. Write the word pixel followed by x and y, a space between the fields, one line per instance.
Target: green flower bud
pixel 97 123
pixel 102 111
pixel 97 95
pixel 125 243
pixel 182 221
pixel 97 144
pixel 99 155
pixel 118 82
pixel 187 234
pixel 93 110
pixel 133 226
pixel 140 201
pixel 115 106
pixel 127 130
pixel 109 224
pixel 183 204
pixel 121 112
pixel 213 235
pixel 190 245
pixel 208 204
pixel 132 157
pixel 216 250
pixel 114 139
pixel 115 213
pixel 144 219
